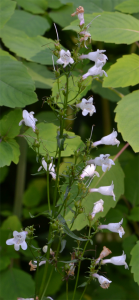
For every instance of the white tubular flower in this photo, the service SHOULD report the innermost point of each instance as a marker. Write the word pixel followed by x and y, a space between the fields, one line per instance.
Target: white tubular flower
pixel 51 168
pixel 104 282
pixel 102 161
pixel 18 240
pixel 97 56
pixel 26 298
pixel 108 140
pixel 85 37
pixel 98 206
pixel 45 248
pixel 94 71
pixel 87 106
pixel 71 269
pixel 80 13
pixel 65 58
pixel 89 171
pixel 28 119
pixel 114 227
pixel 116 260
pixel 105 190
pixel 105 252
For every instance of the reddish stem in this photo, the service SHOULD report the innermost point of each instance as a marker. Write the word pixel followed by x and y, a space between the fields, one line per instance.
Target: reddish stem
pixel 121 151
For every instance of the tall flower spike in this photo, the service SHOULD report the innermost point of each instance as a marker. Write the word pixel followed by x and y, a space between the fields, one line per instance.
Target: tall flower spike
pixel 51 168
pixel 98 207
pixel 80 13
pixel 108 140
pixel 95 71
pixel 105 252
pixel 102 161
pixel 116 260
pixel 28 119
pixel 105 190
pixel 89 171
pixel 104 282
pixel 114 227
pixel 87 106
pixel 65 58
pixel 97 56
pixel 18 240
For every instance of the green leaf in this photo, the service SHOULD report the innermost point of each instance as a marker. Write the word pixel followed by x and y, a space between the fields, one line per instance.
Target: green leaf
pixel 12 223
pixel 130 6
pixel 94 5
pixel 9 125
pixel 127 112
pixel 124 72
pixel 32 25
pixel 111 27
pixel 62 16
pixel 34 193
pixel 134 214
pixel 43 78
pixel 3 173
pixel 128 243
pixel 116 174
pixel 47 117
pixel 134 263
pixel 6 10
pixel 131 181
pixel 4 262
pixel 54 3
pixel 9 151
pixel 34 6
pixel 15 150
pixel 31 48
pixel 72 235
pixel 18 284
pixel 17 87
pixel 47 135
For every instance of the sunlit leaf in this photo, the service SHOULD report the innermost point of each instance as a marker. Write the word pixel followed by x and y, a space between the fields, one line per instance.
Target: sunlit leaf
pixel 34 6
pixel 130 6
pixel 9 124
pixel 6 10
pixel 134 263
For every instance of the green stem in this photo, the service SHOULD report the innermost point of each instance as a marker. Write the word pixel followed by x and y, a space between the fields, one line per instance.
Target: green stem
pixel 67 289
pixel 83 292
pixel 48 193
pixel 56 183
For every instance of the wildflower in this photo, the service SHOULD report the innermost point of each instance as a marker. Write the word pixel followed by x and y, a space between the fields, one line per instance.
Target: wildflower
pixel 85 37
pixel 28 119
pixel 51 168
pixel 28 298
pixel 105 252
pixel 65 58
pixel 102 161
pixel 98 206
pixel 87 106
pixel 104 282
pixel 97 56
pixel 80 13
pixel 94 71
pixel 114 227
pixel 18 240
pixel 105 190
pixel 116 260
pixel 45 248
pixel 89 171
pixel 33 266
pixel 108 140
pixel 71 269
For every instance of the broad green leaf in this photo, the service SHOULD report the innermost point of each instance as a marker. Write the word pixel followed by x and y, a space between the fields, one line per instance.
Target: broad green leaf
pixel 47 117
pixel 17 87
pixel 9 124
pixel 37 49
pixel 94 5
pixel 11 223
pixel 9 151
pixel 34 6
pixel 34 193
pixel 127 112
pixel 3 173
pixel 16 283
pixel 111 27
pixel 108 93
pixel 130 6
pixel 131 181
pixel 4 262
pixel 134 263
pixel 116 174
pixel 48 141
pixel 124 72
pixel 32 25
pixel 43 78
pixel 128 243
pixel 62 16
pixel 6 10
pixel 134 214
pixel 15 150
pixel 54 3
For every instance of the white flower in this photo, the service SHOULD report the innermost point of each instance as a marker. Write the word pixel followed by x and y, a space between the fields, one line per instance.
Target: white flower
pixel 108 140
pixel 87 106
pixel 65 58
pixel 45 248
pixel 18 240
pixel 26 298
pixel 51 168
pixel 102 161
pixel 94 71
pixel 104 282
pixel 105 190
pixel 86 36
pixel 117 260
pixel 71 269
pixel 114 227
pixel 98 206
pixel 97 56
pixel 28 119
pixel 89 171
pixel 80 13
pixel 105 252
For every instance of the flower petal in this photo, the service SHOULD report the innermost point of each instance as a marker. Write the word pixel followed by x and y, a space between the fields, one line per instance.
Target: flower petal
pixel 24 245
pixel 10 242
pixel 16 247
pixel 85 112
